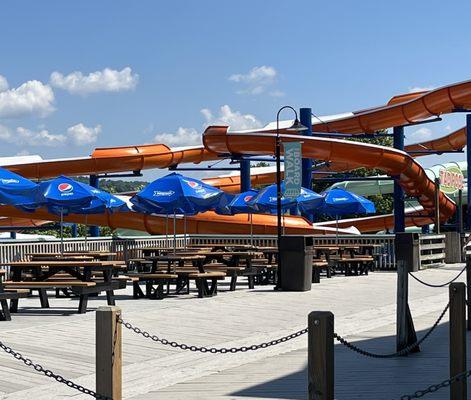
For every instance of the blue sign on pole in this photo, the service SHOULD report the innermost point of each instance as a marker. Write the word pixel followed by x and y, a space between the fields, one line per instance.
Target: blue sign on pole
pixel 293 169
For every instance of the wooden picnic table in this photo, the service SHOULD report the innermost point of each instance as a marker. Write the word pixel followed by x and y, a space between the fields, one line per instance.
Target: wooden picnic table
pixel 43 276
pixel 98 254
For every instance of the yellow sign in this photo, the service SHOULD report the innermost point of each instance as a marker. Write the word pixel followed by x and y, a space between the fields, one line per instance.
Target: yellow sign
pixel 451 179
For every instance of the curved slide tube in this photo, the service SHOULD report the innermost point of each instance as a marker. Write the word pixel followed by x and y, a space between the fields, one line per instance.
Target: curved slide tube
pixel 400 110
pixel 412 176
pixel 204 223
pixel 453 141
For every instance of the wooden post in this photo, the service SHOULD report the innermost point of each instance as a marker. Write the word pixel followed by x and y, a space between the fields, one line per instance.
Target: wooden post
pixel 458 390
pixel 108 352
pixel 437 206
pixel 405 330
pixel 321 355
pixel 468 290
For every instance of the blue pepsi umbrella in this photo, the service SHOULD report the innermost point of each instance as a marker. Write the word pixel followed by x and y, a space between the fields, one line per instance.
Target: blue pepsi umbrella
pixel 175 193
pixel 223 206
pixel 240 205
pixel 266 200
pixel 342 202
pixel 16 190
pixel 63 196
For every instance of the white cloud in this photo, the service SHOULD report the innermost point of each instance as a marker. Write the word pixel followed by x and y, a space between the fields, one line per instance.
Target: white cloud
pixel 107 80
pixel 420 135
pixel 78 135
pixel 257 75
pixel 234 119
pixel 32 97
pixel 182 137
pixel 29 137
pixel 420 89
pixel 81 135
pixel 3 83
pixel 257 80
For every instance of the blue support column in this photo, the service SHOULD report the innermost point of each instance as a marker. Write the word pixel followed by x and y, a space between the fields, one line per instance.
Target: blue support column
pixel 468 160
pixel 94 230
pixel 305 117
pixel 12 235
pixel 399 215
pixel 74 230
pixel 245 183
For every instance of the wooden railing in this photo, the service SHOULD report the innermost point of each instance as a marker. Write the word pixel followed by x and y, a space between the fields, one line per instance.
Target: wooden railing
pixel 127 247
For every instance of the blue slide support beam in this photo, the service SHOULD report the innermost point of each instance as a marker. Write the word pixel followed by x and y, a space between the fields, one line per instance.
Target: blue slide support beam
pixel 95 182
pixel 399 214
pixel 468 160
pixel 245 183
pixel 305 117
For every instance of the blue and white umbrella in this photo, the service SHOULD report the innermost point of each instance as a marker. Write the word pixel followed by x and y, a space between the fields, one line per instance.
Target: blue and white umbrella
pixel 342 202
pixel 175 193
pixel 16 190
pixel 240 205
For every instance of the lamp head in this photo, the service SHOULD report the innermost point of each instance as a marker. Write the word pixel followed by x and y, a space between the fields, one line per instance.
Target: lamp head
pixel 297 127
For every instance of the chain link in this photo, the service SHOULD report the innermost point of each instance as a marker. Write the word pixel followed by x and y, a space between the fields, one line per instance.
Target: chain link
pixel 433 388
pixel 50 374
pixel 399 353
pixel 440 285
pixel 212 350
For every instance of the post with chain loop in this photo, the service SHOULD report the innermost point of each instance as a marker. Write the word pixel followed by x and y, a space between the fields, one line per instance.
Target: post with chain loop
pixel 468 290
pixel 321 355
pixel 108 352
pixel 406 256
pixel 458 390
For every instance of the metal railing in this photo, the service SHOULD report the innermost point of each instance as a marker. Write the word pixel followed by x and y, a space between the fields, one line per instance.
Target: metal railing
pixel 431 250
pixel 128 247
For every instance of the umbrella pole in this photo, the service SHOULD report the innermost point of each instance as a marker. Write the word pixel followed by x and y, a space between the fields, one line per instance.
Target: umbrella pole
pixel 283 223
pixel 184 231
pixel 86 232
pixel 337 229
pixel 166 229
pixel 174 232
pixel 251 230
pixel 62 231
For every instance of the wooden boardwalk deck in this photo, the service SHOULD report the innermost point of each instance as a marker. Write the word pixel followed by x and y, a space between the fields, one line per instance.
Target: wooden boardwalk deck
pixel 364 308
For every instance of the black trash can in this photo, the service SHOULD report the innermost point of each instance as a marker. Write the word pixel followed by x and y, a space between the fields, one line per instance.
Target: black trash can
pixel 296 262
pixel 406 246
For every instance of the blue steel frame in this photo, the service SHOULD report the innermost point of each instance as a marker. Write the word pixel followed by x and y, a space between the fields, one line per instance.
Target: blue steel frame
pixel 398 197
pixel 245 183
pixel 305 117
pixel 468 160
pixel 95 182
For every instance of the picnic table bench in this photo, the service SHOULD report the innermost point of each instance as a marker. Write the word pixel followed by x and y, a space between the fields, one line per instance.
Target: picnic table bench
pixel 44 276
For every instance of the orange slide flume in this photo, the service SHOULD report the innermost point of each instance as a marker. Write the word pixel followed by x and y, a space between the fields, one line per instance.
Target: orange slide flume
pixel 218 142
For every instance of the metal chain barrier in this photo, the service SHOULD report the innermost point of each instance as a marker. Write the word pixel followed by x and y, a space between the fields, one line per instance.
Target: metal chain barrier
pixel 50 374
pixel 437 286
pixel 399 353
pixel 212 350
pixel 433 388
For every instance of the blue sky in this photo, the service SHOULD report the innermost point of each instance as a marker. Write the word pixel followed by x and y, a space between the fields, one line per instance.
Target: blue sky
pixel 136 72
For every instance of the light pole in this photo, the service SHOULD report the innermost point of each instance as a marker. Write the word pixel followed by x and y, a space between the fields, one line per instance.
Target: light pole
pixel 295 127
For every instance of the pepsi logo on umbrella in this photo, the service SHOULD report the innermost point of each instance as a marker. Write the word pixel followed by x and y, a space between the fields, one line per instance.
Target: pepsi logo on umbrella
pixel 65 188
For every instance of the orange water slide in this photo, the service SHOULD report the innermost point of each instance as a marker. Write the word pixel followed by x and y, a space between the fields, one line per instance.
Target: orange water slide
pixel 400 110
pixel 453 141
pixel 204 223
pixel 115 159
pixel 412 176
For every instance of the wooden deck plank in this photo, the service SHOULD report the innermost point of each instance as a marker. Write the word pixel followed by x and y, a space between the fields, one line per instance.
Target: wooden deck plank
pixel 364 308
